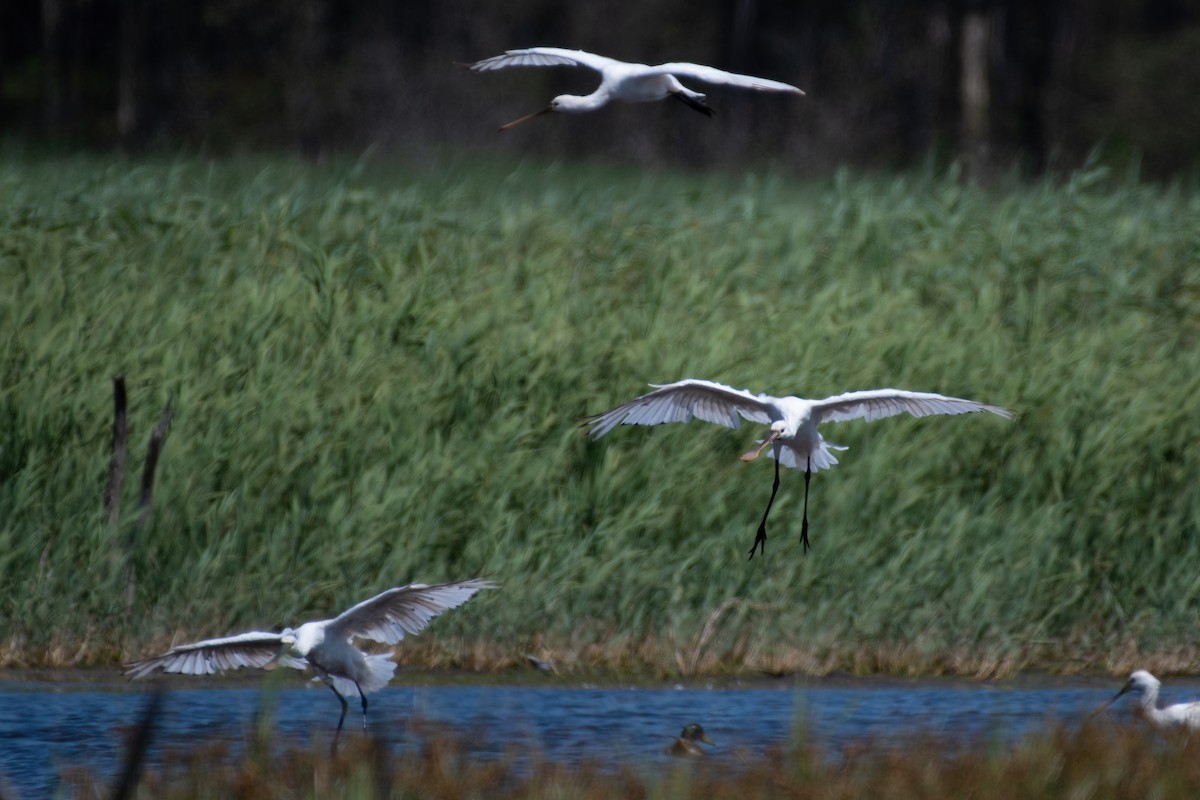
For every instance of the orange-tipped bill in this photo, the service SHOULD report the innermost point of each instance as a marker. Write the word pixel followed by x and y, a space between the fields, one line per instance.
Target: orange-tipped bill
pixel 753 454
pixel 527 117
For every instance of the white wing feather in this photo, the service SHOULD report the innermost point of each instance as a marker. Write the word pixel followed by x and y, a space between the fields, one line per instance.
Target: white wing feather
pixel 544 57
pixel 722 78
pixel 684 401
pixel 388 616
pixel 256 649
pixel 879 403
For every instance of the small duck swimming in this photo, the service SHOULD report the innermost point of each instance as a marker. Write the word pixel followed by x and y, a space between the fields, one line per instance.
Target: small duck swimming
pixel 685 744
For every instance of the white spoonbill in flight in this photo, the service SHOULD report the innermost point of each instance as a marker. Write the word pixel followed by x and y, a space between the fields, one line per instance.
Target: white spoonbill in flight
pixel 325 645
pixel 1182 716
pixel 794 439
pixel 629 83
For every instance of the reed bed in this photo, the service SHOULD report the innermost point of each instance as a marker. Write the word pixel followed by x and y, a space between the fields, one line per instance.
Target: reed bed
pixel 376 374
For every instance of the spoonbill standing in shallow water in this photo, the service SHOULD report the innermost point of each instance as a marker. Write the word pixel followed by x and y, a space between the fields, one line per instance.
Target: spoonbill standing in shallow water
pixel 325 645
pixel 794 439
pixel 629 83
pixel 1182 716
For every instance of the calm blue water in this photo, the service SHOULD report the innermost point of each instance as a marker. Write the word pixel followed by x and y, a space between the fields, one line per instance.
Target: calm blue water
pixel 48 725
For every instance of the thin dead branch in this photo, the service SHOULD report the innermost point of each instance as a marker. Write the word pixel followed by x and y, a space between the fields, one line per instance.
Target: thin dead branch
pixel 116 464
pixel 153 451
pixel 135 756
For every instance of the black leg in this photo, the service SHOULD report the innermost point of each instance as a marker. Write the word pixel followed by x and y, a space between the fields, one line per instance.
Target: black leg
pixel 341 719
pixel 693 103
pixel 761 538
pixel 362 697
pixel 804 524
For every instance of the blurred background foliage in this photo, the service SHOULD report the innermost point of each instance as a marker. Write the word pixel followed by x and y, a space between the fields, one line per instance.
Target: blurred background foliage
pixel 992 82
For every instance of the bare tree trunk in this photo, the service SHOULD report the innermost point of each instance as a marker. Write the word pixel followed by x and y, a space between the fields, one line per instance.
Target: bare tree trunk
pixel 974 87
pixel 1055 105
pixel 743 22
pixel 303 89
pixel 133 33
pixel 52 66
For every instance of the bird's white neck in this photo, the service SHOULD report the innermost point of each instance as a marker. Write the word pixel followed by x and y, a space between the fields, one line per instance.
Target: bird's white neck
pixel 308 636
pixel 1148 706
pixel 575 104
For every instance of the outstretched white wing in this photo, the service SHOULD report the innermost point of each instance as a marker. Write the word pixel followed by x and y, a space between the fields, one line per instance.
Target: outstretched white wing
pixel 388 616
pixel 879 403
pixel 255 649
pixel 544 57
pixel 722 78
pixel 684 401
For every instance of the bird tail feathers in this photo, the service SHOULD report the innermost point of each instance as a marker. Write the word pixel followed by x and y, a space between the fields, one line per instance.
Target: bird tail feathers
pixel 380 669
pixel 822 456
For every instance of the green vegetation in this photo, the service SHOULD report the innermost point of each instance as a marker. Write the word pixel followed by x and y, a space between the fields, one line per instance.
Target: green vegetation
pixel 377 374
pixel 1092 762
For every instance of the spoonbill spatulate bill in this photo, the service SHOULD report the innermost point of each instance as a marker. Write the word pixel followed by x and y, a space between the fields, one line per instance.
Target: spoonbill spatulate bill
pixel 628 83
pixel 794 440
pixel 1181 716
pixel 325 645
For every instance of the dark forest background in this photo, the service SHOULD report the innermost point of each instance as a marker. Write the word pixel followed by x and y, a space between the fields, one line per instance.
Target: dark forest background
pixel 890 83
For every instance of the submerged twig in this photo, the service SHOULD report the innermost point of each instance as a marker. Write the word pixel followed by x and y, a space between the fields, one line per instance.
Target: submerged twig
pixel 381 763
pixel 135 757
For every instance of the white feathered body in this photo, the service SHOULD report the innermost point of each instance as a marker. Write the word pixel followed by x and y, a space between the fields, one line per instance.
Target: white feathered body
pixel 797 419
pixel 336 660
pixel 631 83
pixel 794 419
pixel 1184 716
pixel 324 645
pixel 624 81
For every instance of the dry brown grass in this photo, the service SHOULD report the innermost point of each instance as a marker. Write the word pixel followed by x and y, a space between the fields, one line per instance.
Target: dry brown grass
pixel 1092 762
pixel 676 656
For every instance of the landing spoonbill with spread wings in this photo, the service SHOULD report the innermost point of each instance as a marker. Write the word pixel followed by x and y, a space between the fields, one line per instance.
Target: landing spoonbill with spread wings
pixel 794 439
pixel 325 645
pixel 1181 716
pixel 629 83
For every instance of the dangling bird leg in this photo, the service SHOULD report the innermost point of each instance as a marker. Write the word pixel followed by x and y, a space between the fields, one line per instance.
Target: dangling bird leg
pixel 362 697
pixel 341 719
pixel 804 524
pixel 693 103
pixel 761 538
